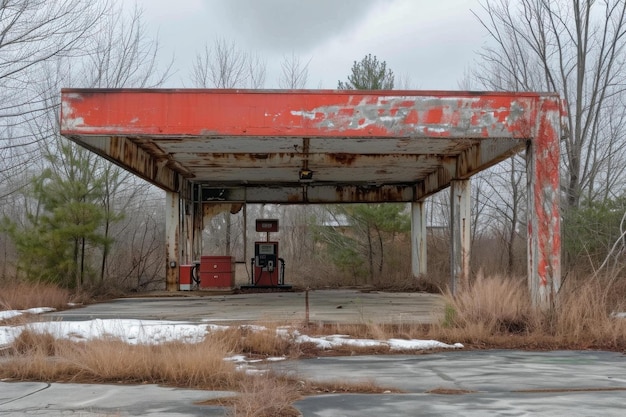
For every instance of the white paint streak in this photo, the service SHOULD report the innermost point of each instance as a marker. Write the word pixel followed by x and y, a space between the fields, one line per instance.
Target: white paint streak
pixel 304 114
pixel 70 123
pixel 435 129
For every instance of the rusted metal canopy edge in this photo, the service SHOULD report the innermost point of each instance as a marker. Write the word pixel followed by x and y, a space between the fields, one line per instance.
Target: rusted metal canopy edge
pixel 167 175
pixel 311 194
pixel 131 157
pixel 326 113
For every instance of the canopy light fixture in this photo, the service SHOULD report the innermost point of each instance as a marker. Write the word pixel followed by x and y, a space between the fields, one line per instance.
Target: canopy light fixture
pixel 306 175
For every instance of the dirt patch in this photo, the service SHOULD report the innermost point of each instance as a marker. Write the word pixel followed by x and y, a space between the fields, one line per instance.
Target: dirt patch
pixel 450 391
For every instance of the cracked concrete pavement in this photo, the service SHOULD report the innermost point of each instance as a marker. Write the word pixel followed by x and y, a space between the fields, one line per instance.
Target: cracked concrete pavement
pixel 475 383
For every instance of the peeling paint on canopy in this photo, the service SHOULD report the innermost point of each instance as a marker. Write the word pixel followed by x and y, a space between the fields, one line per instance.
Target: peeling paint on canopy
pixel 407 116
pixel 184 113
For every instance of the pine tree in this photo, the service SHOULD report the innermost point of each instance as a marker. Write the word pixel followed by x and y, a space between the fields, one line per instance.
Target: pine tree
pixel 363 249
pixel 65 227
pixel 368 74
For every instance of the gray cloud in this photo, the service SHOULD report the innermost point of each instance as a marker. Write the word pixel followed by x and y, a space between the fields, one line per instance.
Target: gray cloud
pixel 290 24
pixel 429 42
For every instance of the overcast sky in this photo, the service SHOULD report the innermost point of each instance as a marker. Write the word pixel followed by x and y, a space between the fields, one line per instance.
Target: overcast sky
pixel 430 42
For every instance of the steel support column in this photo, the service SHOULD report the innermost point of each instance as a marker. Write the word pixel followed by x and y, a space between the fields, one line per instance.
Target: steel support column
pixel 460 229
pixel 172 236
pixel 544 218
pixel 418 239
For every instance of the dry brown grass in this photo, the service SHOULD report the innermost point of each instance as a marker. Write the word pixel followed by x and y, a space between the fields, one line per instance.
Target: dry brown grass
pixel 490 306
pixel 42 357
pixel 379 331
pixel 496 312
pixel 584 315
pixel 343 386
pixel 257 340
pixel 272 395
pixel 20 296
pixel 266 396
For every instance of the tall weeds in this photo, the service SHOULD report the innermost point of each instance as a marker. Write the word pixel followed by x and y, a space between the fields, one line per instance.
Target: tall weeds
pixel 37 356
pixel 266 396
pixel 497 311
pixel 585 314
pixel 20 296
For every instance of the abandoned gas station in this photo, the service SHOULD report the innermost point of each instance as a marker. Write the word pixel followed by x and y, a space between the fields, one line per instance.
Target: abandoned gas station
pixel 215 150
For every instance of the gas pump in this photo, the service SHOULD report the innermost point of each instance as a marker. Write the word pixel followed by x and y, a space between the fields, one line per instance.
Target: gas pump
pixel 266 272
pixel 268 269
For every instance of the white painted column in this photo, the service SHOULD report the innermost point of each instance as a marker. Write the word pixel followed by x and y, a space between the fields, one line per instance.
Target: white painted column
pixel 460 229
pixel 418 239
pixel 172 238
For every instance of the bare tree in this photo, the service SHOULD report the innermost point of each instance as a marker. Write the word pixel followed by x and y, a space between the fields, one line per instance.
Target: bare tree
pixel 140 240
pixel 405 82
pixel 227 66
pixel 118 53
pixel 256 70
pixel 123 54
pixel 503 192
pixel 294 74
pixel 33 32
pixel 574 48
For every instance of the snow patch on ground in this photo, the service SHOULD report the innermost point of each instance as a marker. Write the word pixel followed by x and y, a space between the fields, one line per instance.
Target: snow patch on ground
pixel 136 332
pixel 9 314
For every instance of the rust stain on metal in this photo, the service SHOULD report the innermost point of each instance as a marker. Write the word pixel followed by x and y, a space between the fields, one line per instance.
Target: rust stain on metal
pixel 236 208
pixel 210 210
pixel 172 249
pixel 294 198
pixel 468 161
pixel 371 193
pixel 345 159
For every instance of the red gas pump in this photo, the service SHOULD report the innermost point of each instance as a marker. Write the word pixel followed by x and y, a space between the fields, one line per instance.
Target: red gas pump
pixel 268 269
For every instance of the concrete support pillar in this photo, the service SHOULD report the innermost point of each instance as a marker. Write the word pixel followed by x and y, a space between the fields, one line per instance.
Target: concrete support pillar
pixel 186 232
pixel 198 229
pixel 460 230
pixel 191 232
pixel 172 236
pixel 544 217
pixel 418 239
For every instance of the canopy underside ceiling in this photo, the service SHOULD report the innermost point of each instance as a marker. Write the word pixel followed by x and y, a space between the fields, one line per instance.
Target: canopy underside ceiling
pixel 300 146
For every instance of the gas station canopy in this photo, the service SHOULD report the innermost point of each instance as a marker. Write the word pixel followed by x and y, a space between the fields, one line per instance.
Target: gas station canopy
pixel 302 146
pixel 298 146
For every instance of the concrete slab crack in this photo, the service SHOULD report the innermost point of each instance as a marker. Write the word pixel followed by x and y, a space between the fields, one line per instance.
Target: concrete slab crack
pixel 26 395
